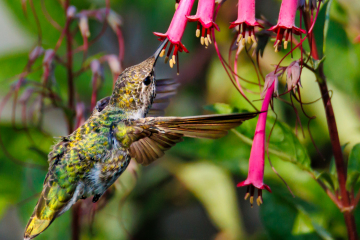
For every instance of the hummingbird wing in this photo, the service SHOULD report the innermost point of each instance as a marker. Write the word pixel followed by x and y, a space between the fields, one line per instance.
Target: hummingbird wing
pixel 154 135
pixel 165 89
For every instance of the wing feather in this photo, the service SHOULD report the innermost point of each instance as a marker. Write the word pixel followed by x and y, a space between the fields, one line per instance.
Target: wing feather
pixel 155 135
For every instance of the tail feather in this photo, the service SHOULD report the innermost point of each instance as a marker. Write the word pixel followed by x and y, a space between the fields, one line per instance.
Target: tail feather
pixel 207 126
pixel 159 134
pixel 52 201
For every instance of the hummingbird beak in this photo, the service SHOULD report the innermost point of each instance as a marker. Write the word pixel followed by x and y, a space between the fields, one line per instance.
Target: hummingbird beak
pixel 159 49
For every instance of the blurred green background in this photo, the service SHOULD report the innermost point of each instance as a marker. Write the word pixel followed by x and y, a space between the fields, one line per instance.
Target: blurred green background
pixel 190 193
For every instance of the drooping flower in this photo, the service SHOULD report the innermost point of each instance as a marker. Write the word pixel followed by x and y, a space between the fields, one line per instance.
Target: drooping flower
pixel 205 18
pixel 255 177
pixel 285 27
pixel 246 22
pixel 293 72
pixel 175 31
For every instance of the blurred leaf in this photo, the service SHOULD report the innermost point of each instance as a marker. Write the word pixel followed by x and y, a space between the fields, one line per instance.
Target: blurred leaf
pixel 221 108
pixel 316 63
pixel 319 28
pixel 328 179
pixel 326 22
pixel 302 224
pixel 288 218
pixel 342 59
pixel 215 190
pixel 353 170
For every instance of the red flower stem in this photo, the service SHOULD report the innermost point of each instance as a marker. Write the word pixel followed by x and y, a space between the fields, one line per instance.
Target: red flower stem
pixel 75 226
pixel 334 137
pixel 70 78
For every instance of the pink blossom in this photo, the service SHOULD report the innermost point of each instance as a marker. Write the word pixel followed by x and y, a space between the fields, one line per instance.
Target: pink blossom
pixel 176 31
pixel 246 21
pixel 285 27
pixel 205 18
pixel 255 177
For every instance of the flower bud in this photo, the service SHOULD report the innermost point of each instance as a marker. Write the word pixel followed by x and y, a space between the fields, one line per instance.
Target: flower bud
pixel 84 26
pixel 293 72
pixel 35 53
pixel 114 20
pixel 71 11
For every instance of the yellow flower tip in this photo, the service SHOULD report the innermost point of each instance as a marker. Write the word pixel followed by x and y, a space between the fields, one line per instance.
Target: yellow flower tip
pixel 173 59
pixel 253 38
pixel 171 63
pixel 240 36
pixel 178 74
pixel 248 40
pixel 247 195
pixel 209 38
pixel 206 41
pixel 285 44
pixel 166 59
pixel 202 40
pixel 197 33
pixel 259 200
pixel 243 41
pixel 162 53
pixel 176 5
pixel 277 46
pixel 251 200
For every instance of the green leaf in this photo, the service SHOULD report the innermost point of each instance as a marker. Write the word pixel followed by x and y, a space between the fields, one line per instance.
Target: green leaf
pixel 319 28
pixel 214 188
pixel 221 108
pixel 353 167
pixel 328 179
pixel 316 63
pixel 326 22
pixel 285 217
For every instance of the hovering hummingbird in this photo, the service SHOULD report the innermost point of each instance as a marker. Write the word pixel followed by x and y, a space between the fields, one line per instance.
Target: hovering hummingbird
pixel 89 160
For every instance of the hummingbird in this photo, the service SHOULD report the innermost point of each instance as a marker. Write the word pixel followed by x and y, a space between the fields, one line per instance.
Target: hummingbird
pixel 89 160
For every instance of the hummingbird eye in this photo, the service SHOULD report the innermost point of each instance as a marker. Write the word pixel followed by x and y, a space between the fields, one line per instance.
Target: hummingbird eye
pixel 147 81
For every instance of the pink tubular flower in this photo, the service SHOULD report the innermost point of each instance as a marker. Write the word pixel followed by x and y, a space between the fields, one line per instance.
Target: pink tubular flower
pixel 257 156
pixel 246 21
pixel 205 17
pixel 286 23
pixel 175 31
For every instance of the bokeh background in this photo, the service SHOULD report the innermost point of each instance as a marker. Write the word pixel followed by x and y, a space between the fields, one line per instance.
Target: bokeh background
pixel 190 193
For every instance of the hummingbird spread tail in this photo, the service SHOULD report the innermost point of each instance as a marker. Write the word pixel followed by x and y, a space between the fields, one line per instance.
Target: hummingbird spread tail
pixel 53 201
pixel 35 226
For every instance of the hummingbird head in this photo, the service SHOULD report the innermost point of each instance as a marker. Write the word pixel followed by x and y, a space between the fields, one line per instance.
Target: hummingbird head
pixel 134 90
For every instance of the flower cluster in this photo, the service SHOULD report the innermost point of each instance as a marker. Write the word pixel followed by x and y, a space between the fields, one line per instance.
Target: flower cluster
pixel 246 26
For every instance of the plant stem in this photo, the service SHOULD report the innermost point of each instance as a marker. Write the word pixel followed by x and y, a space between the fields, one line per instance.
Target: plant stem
pixel 70 76
pixel 334 137
pixel 75 224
